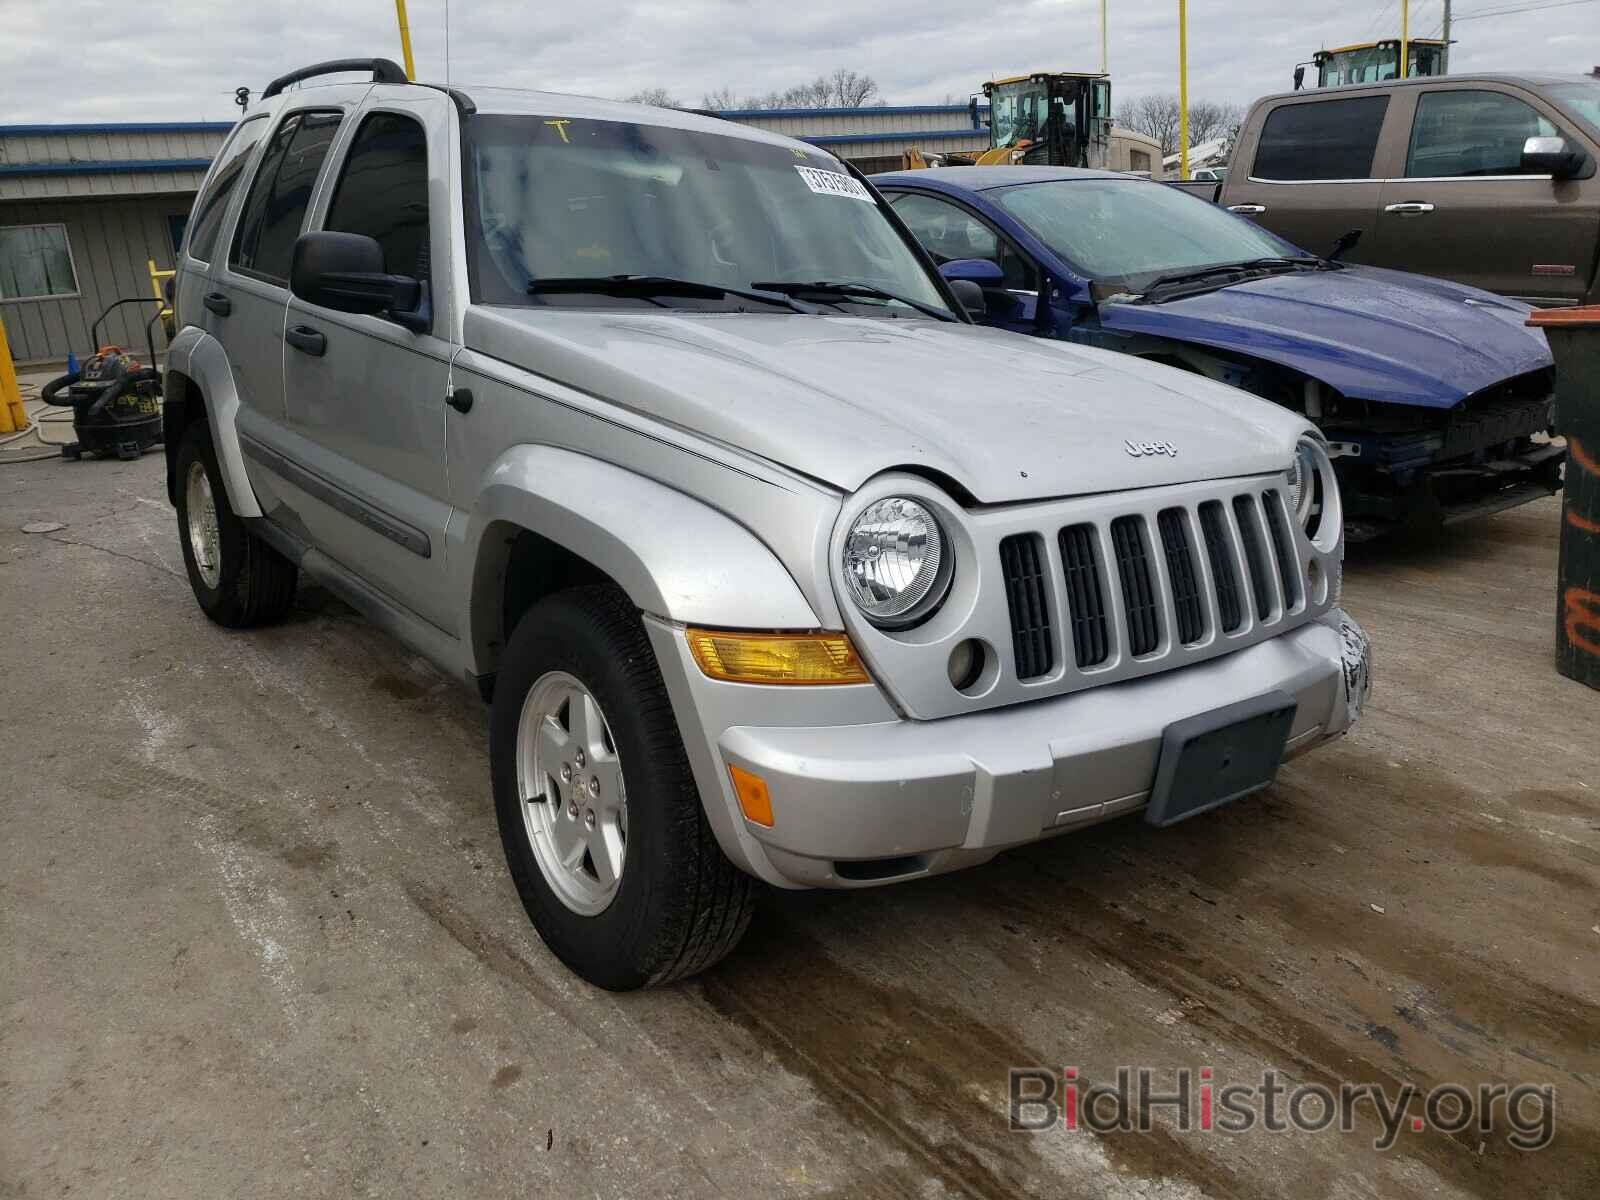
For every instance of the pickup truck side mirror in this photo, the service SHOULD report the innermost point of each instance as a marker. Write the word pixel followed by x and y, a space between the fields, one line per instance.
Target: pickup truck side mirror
pixel 1552 156
pixel 344 272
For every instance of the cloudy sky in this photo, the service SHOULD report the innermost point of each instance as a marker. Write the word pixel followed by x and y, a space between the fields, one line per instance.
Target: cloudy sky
pixel 181 59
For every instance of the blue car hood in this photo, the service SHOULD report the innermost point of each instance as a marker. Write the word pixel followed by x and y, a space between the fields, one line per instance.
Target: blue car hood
pixel 1369 333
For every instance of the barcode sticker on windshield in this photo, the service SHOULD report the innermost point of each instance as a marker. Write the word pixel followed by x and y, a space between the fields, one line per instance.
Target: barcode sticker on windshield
pixel 833 183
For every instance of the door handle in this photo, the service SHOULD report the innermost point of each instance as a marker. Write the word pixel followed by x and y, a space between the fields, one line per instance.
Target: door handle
pixel 219 304
pixel 1411 208
pixel 1248 209
pixel 306 339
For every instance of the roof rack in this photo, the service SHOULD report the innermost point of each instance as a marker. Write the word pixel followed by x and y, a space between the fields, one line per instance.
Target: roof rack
pixel 383 71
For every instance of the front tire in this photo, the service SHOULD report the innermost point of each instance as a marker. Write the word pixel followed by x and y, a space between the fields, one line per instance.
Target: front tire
pixel 602 823
pixel 238 579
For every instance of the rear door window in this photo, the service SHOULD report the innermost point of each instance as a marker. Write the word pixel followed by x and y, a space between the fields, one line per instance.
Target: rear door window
pixel 1321 139
pixel 1471 133
pixel 213 204
pixel 276 207
pixel 383 192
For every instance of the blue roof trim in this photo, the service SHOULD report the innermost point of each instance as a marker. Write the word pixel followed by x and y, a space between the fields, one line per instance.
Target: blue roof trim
pixel 113 167
pixel 903 135
pixel 735 114
pixel 130 127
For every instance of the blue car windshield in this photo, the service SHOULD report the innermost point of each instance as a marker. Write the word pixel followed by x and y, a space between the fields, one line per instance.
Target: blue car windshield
pixel 1130 230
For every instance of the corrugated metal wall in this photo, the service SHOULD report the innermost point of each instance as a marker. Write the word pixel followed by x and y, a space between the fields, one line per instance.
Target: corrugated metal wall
pixel 110 242
pixel 39 161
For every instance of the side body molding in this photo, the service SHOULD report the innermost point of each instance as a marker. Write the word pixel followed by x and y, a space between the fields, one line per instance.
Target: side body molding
pixel 677 558
pixel 198 356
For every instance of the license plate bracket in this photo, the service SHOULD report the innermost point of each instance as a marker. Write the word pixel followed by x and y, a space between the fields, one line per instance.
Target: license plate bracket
pixel 1216 757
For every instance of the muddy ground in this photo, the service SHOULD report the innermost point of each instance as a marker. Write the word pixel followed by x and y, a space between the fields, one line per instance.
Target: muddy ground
pixel 258 939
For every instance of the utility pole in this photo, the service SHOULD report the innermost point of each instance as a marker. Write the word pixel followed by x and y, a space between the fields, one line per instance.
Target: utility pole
pixel 405 38
pixel 1444 54
pixel 1105 58
pixel 1183 89
pixel 1405 35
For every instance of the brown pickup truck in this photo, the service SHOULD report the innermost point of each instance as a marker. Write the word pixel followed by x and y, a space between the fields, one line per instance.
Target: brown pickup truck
pixel 1488 180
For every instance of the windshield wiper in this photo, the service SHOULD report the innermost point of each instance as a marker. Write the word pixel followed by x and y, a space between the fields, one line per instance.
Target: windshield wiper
pixel 830 287
pixel 660 285
pixel 1291 263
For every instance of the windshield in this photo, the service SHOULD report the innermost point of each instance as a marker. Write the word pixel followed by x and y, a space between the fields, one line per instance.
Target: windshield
pixel 554 198
pixel 1125 229
pixel 1017 111
pixel 1582 100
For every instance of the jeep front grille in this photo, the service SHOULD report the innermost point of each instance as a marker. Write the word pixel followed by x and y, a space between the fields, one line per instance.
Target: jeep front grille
pixel 1085 602
pixel 1022 558
pixel 1178 592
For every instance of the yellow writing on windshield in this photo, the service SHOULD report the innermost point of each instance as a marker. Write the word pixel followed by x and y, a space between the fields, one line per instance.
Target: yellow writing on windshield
pixel 561 128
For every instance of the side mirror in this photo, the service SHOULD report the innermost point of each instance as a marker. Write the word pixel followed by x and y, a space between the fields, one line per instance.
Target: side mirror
pixel 980 271
pixel 1552 156
pixel 1299 77
pixel 344 272
pixel 971 297
pixel 972 110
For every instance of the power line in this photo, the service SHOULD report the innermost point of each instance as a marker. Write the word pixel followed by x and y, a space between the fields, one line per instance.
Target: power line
pixel 1527 8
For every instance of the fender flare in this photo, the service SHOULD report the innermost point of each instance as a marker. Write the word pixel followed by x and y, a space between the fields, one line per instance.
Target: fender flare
pixel 200 359
pixel 676 557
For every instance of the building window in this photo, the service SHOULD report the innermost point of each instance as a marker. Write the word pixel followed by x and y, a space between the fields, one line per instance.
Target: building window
pixel 36 263
pixel 1138 160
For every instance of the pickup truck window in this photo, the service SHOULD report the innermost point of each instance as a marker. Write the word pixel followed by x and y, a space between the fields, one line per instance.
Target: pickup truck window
pixel 383 192
pixel 276 206
pixel 1121 229
pixel 1321 139
pixel 1471 133
pixel 551 198
pixel 1581 100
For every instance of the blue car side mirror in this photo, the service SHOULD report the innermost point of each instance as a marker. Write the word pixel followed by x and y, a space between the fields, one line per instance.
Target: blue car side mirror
pixel 975 270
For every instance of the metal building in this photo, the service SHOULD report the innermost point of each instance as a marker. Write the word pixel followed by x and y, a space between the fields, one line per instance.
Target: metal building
pixel 83 210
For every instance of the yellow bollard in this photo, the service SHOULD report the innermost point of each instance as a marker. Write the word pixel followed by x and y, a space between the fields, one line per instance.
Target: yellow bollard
pixel 13 417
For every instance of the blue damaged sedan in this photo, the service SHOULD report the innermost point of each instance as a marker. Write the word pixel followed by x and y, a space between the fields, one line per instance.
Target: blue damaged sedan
pixel 1435 397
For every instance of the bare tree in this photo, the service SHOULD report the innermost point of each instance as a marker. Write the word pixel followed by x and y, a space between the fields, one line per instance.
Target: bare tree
pixel 1157 117
pixel 1209 121
pixel 843 88
pixel 659 96
pixel 721 100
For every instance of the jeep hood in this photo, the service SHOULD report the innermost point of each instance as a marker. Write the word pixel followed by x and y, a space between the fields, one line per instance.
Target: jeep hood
pixel 1368 333
pixel 842 399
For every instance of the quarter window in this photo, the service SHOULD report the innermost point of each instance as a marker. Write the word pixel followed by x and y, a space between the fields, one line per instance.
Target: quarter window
pixel 1321 139
pixel 36 263
pixel 1471 133
pixel 276 207
pixel 213 204
pixel 383 192
pixel 949 232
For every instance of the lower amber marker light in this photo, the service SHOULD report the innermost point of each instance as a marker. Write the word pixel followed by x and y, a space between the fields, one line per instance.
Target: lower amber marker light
pixel 776 658
pixel 754 800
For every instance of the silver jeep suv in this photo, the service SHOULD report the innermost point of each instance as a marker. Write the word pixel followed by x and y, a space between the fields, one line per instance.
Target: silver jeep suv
pixel 664 433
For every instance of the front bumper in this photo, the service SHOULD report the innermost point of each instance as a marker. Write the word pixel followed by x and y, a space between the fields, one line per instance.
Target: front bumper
pixel 866 803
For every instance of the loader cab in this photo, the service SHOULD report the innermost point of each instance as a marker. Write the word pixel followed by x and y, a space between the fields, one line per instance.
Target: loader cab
pixel 1057 120
pixel 1374 62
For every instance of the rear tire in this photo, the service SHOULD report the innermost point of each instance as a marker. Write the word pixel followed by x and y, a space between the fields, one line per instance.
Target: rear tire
pixel 238 579
pixel 579 674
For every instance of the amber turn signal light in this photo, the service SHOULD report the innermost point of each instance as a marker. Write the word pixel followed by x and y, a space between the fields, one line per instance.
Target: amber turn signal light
pixel 754 800
pixel 776 658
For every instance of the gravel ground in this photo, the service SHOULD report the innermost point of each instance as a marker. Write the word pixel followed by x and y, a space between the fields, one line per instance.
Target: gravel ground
pixel 258 939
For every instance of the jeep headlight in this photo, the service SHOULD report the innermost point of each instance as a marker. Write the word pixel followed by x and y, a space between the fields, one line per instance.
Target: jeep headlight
pixel 897 563
pixel 1314 492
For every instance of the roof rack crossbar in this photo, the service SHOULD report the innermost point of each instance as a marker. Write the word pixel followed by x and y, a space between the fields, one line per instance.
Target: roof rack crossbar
pixel 383 70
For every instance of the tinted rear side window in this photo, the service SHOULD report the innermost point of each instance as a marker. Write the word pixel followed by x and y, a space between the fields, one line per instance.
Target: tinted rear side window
pixel 383 192
pixel 276 206
pixel 1326 139
pixel 213 205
